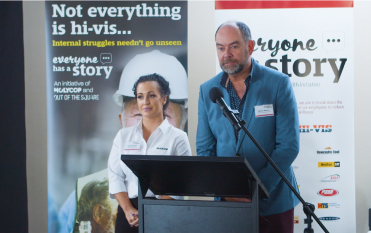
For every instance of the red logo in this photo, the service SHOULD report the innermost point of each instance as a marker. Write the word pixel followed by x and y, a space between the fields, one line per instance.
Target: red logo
pixel 328 192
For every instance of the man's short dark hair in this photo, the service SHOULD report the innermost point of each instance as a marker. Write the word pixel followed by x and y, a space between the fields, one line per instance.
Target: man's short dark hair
pixel 244 29
pixel 94 192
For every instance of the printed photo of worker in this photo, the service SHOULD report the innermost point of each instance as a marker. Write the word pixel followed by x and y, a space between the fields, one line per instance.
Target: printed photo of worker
pixel 89 46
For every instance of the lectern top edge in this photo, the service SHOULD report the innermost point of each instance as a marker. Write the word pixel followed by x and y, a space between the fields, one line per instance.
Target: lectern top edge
pixel 212 168
pixel 185 158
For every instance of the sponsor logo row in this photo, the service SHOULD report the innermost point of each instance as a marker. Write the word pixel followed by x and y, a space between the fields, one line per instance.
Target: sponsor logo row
pixel 315 128
pixel 329 164
pixel 328 192
pixel 327 218
pixel 330 178
pixel 327 205
pixel 325 164
pixel 328 150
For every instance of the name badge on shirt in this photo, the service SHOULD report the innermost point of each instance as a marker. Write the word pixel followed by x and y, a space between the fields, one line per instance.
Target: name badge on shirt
pixel 264 110
pixel 132 146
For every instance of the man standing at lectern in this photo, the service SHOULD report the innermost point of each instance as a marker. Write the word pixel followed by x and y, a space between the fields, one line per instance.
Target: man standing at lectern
pixel 251 88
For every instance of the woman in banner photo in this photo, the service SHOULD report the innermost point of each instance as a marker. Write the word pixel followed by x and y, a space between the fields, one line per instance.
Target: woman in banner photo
pixel 152 135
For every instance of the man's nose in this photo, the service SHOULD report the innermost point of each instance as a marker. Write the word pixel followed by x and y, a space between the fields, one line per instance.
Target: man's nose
pixel 227 52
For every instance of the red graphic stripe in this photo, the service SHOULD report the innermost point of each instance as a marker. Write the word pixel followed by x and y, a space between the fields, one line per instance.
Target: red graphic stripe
pixel 264 115
pixel 224 5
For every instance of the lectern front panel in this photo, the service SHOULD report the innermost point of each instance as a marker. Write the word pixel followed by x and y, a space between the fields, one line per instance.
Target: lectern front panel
pixel 198 219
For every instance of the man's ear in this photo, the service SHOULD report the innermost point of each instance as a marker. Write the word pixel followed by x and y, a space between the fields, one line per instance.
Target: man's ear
pixel 120 119
pixel 98 213
pixel 251 45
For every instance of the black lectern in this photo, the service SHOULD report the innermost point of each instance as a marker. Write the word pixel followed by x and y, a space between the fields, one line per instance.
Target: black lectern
pixel 196 176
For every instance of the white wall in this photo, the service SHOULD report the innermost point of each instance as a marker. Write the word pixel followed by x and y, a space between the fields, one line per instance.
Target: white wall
pixel 201 67
pixel 201 57
pixel 35 85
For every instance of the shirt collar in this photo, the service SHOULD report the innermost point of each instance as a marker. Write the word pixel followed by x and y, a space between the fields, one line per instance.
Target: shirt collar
pixel 224 78
pixel 163 127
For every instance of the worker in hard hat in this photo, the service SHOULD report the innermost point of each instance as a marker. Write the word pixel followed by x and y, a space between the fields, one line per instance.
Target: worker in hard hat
pixel 149 63
pixel 152 135
pixel 142 64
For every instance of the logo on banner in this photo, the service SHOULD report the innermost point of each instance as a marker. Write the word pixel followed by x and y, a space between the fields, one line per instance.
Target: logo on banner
pixel 322 205
pixel 328 205
pixel 285 45
pixel 329 218
pixel 328 192
pixel 315 128
pixel 331 178
pixel 329 164
pixel 328 150
pixel 334 204
pixel 296 219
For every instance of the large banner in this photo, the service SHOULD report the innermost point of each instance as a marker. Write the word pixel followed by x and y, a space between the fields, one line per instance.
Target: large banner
pixel 89 48
pixel 312 42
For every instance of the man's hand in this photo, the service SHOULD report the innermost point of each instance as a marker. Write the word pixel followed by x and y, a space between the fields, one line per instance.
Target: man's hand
pixel 237 199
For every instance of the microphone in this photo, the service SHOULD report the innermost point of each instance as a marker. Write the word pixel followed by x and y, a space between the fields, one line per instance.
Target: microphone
pixel 216 96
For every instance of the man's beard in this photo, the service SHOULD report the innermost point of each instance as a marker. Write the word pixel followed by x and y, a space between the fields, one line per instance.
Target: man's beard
pixel 232 69
pixel 236 68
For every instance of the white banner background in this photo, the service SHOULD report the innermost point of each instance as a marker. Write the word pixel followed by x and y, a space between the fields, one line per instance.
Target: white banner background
pixel 326 108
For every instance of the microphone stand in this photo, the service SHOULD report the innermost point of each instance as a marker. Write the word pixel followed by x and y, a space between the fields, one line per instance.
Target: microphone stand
pixel 306 206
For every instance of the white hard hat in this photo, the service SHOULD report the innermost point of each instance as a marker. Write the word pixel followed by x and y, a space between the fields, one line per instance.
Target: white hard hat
pixel 149 63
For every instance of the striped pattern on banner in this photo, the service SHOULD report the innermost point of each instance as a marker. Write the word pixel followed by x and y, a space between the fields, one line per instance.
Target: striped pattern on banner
pixel 223 5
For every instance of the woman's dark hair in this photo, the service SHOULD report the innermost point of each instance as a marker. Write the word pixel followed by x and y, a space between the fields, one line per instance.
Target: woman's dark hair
pixel 162 83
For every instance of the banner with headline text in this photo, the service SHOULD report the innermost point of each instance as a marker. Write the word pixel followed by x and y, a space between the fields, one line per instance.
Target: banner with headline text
pixel 312 42
pixel 95 52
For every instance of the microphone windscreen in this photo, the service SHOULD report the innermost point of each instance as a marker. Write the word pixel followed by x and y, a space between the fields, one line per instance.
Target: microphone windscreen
pixel 215 93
